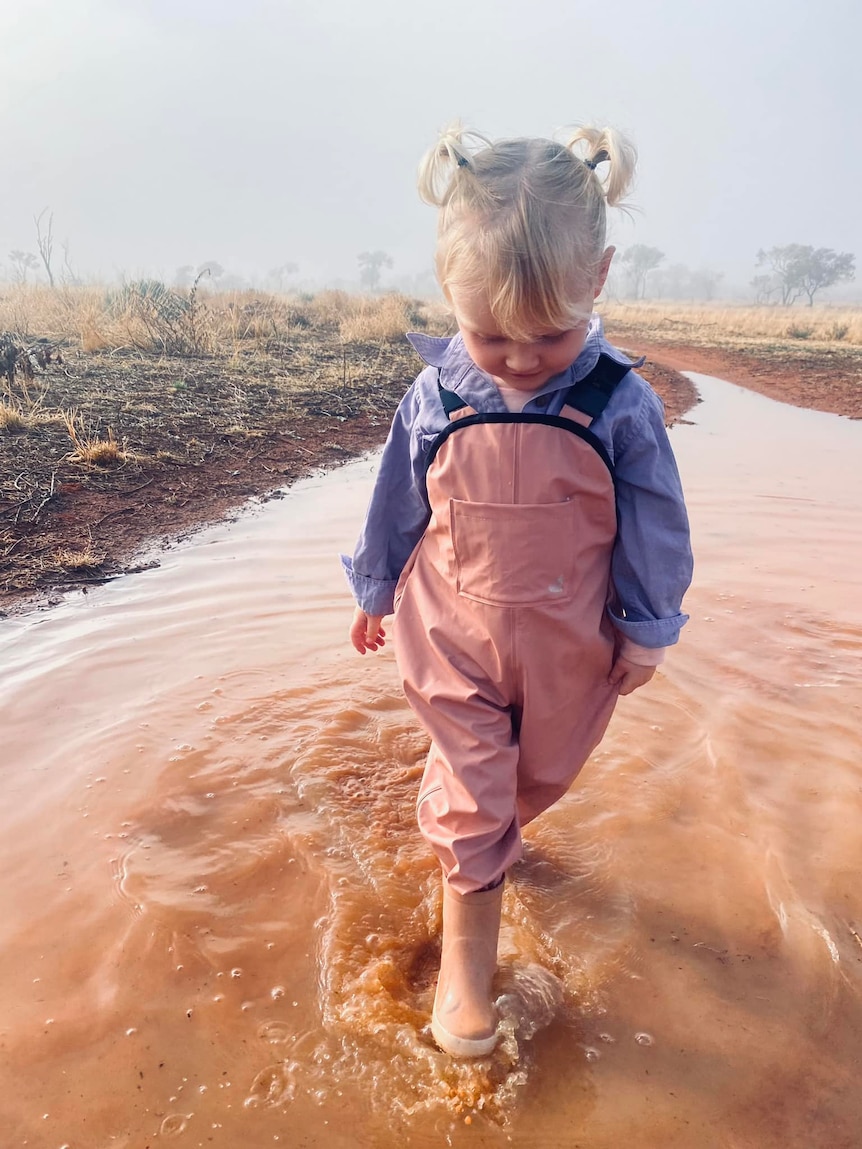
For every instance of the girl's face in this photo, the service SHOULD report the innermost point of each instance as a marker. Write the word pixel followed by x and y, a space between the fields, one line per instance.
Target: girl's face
pixel 523 365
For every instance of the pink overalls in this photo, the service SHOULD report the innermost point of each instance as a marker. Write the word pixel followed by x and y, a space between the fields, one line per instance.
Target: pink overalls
pixel 503 640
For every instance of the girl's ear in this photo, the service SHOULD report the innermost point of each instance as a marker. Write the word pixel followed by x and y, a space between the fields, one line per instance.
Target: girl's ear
pixel 604 268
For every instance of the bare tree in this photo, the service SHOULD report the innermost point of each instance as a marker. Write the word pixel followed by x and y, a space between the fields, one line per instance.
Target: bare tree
pixel 69 276
pixel 640 261
pixel 23 261
pixel 279 274
pixel 765 287
pixel 184 275
pixel 370 265
pixel 45 242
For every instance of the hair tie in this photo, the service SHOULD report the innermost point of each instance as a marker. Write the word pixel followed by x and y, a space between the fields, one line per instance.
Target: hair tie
pixel 462 161
pixel 591 164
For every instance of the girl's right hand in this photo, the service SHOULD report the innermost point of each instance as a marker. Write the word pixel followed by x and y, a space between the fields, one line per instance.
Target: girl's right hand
pixel 366 633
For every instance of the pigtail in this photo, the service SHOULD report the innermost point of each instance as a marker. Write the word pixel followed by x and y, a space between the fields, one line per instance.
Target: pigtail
pixel 606 145
pixel 451 157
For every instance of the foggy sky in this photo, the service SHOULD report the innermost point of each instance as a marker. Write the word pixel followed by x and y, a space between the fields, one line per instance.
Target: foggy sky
pixel 168 132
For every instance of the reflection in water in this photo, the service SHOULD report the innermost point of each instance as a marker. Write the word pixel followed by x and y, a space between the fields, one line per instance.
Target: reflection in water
pixel 220 925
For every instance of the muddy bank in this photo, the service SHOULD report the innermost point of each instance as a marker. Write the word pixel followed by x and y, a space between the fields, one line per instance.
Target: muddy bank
pixel 818 378
pixel 183 442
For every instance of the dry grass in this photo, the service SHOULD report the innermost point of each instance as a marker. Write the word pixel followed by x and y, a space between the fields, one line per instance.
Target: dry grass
pixel 716 325
pixel 148 317
pixel 368 320
pixel 92 450
pixel 12 418
pixel 78 561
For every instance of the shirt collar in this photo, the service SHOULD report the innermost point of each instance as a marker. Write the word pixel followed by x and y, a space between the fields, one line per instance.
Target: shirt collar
pixel 459 373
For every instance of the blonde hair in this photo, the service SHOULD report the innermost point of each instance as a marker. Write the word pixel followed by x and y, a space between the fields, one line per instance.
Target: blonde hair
pixel 524 220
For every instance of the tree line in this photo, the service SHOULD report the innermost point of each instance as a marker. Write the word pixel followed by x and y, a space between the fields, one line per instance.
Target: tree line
pixel 790 273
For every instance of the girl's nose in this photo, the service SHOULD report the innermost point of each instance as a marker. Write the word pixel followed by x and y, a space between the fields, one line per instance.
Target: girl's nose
pixel 522 358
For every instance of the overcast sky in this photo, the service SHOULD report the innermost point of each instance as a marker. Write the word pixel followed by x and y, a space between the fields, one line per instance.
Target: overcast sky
pixel 254 132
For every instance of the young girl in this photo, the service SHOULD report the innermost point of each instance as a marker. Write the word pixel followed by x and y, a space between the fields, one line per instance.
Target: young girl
pixel 527 525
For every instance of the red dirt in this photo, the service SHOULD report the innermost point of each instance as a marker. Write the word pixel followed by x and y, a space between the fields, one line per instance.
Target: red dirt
pixel 821 381
pixel 160 497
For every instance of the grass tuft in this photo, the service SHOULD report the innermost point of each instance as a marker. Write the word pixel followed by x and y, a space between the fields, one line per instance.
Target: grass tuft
pixel 12 419
pixel 83 560
pixel 92 451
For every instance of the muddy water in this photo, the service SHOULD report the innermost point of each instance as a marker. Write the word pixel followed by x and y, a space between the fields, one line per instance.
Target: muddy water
pixel 219 925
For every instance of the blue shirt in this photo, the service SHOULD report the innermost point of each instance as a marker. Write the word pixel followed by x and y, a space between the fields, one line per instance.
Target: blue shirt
pixel 651 565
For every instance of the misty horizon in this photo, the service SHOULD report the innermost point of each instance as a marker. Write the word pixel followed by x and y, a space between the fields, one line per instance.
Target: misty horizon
pixel 163 136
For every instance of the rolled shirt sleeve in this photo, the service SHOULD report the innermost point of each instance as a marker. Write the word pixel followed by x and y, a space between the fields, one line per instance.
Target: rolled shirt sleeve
pixel 398 514
pixel 652 563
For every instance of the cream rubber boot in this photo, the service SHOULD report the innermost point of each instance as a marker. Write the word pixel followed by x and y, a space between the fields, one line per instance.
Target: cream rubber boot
pixel 464 1021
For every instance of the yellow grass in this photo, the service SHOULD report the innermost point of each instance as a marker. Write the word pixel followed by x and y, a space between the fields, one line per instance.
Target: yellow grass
pixel 178 321
pixel 12 419
pixel 728 324
pixel 96 319
pixel 370 320
pixel 90 450
pixel 83 560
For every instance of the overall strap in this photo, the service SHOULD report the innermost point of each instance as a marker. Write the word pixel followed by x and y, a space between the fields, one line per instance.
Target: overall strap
pixel 584 401
pixel 454 406
pixel 591 395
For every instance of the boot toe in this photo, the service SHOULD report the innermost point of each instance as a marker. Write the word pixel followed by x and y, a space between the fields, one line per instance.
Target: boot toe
pixel 461 1046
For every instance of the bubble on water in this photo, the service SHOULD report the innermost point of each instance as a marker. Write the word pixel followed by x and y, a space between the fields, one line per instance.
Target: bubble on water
pixel 607 1038
pixel 237 972
pixel 276 992
pixel 273 1086
pixel 644 1039
pixel 591 1053
pixel 131 1031
pixel 246 1006
pixel 218 997
pixel 532 999
pixel 175 1124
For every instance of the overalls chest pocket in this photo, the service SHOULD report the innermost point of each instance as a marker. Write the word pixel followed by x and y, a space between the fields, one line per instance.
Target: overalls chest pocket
pixel 514 554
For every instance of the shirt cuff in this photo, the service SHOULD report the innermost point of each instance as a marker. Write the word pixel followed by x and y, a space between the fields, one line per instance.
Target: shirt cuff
pixel 373 595
pixel 650 632
pixel 640 655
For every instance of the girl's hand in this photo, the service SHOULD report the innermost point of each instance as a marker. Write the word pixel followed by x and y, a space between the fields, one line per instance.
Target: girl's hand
pixel 366 633
pixel 628 676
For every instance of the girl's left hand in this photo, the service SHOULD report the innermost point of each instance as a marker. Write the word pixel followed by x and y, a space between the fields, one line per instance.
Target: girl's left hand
pixel 628 676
